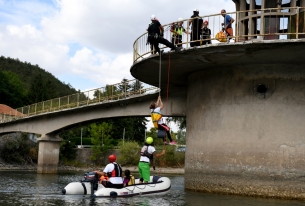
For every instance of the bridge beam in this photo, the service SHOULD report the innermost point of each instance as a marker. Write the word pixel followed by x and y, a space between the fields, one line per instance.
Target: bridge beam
pixel 48 154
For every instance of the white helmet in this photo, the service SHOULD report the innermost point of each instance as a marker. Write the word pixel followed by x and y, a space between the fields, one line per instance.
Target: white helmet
pixel 180 19
pixel 153 17
pixel 196 10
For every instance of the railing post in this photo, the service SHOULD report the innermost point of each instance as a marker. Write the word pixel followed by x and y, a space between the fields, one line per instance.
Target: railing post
pixel 87 97
pixel 51 106
pixel 77 100
pixel 43 106
pixel 59 103
pixel 68 100
pixel 125 89
pixel 29 110
pixel 297 24
pixel 99 95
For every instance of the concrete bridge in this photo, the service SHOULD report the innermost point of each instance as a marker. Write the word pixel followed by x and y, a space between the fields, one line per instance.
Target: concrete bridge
pixel 49 124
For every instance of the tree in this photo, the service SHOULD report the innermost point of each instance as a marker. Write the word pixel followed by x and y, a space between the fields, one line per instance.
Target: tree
pixel 124 87
pixel 180 121
pixel 101 139
pixel 38 90
pixel 137 86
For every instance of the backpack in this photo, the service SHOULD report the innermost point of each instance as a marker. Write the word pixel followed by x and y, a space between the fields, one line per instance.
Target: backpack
pixel 145 153
pixel 221 36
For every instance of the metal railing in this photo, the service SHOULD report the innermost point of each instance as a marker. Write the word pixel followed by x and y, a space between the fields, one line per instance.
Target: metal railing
pixel 115 92
pixel 264 24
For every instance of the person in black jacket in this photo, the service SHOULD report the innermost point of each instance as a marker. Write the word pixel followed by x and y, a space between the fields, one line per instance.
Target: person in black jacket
pixel 155 35
pixel 205 33
pixel 196 23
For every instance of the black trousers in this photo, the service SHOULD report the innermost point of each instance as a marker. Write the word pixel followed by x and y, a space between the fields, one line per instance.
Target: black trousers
pixel 108 184
pixel 176 41
pixel 195 36
pixel 160 40
pixel 160 127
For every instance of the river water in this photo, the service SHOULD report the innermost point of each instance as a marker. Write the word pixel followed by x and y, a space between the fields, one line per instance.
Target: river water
pixel 29 188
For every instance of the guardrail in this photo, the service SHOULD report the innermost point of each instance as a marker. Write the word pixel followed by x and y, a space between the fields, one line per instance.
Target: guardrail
pixel 106 94
pixel 265 24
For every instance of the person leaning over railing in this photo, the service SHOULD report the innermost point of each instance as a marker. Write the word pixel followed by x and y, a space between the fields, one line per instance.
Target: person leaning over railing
pixel 227 23
pixel 155 37
pixel 196 23
pixel 177 29
pixel 205 33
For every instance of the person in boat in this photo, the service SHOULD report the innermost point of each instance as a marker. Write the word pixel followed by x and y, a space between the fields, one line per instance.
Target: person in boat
pixel 114 172
pixel 147 155
pixel 128 179
pixel 156 117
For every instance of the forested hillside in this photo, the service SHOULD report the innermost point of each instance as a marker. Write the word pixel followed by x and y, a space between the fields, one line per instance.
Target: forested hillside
pixel 22 83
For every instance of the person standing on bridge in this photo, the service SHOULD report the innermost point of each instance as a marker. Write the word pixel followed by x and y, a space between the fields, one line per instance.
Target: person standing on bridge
pixel 196 22
pixel 177 29
pixel 227 24
pixel 156 117
pixel 155 35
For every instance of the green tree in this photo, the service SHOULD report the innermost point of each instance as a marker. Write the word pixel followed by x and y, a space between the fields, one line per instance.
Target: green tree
pixel 101 139
pixel 180 121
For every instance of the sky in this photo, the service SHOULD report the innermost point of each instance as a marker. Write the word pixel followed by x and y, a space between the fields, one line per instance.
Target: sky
pixel 87 43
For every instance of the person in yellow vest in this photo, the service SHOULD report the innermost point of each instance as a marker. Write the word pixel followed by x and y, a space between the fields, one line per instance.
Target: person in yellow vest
pixel 128 179
pixel 156 116
pixel 177 30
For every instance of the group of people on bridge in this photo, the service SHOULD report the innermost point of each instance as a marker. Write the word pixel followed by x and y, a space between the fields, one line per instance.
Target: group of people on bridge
pixel 200 33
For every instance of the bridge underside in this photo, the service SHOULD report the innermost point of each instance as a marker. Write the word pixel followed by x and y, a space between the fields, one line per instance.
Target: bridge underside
pixel 245 116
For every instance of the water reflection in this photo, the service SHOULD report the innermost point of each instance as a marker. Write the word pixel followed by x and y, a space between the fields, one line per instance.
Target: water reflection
pixel 29 188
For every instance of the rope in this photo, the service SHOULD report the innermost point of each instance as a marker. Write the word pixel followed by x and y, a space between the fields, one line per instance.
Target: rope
pixel 168 75
pixel 160 73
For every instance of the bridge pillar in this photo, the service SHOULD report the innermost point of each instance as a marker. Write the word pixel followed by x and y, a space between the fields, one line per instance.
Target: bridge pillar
pixel 48 154
pixel 245 130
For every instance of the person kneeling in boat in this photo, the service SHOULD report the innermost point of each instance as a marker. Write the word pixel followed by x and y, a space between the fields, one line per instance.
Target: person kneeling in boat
pixel 128 179
pixel 114 172
pixel 147 154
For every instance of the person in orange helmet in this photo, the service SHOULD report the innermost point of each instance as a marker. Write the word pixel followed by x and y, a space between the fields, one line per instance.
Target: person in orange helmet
pixel 114 172
pixel 205 33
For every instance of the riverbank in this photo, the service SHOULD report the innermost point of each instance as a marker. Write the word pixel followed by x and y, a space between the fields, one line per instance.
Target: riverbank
pixel 63 168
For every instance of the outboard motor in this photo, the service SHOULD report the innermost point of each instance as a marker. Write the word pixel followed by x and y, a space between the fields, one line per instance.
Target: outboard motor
pixel 91 177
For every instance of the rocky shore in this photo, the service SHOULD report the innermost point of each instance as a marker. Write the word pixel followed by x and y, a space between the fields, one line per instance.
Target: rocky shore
pixel 63 168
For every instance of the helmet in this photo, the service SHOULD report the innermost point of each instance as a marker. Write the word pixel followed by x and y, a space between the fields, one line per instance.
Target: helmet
pixel 196 10
pixel 153 17
pixel 206 22
pixel 112 158
pixel 149 140
pixel 180 19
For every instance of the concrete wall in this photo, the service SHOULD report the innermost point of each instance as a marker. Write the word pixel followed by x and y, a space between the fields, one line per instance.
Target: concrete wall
pixel 242 141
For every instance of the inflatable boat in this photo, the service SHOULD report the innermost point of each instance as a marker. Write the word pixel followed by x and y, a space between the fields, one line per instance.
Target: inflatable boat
pixel 90 186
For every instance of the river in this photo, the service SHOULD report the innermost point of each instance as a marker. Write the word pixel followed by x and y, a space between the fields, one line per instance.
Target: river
pixel 29 188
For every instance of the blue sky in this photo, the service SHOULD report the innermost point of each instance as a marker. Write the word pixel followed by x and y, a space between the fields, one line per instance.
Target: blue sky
pixel 87 43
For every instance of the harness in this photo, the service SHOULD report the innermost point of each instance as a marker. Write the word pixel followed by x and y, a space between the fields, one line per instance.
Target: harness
pixel 155 117
pixel 116 172
pixel 144 152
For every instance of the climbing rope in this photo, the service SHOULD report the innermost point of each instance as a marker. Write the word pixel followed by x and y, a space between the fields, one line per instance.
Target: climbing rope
pixel 160 73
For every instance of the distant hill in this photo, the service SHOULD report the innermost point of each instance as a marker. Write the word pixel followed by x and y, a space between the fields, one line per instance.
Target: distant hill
pixel 22 83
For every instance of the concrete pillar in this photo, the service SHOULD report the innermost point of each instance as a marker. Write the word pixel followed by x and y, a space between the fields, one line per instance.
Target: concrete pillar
pixel 262 20
pixel 241 21
pixel 246 139
pixel 252 22
pixel 272 24
pixel 48 154
pixel 302 4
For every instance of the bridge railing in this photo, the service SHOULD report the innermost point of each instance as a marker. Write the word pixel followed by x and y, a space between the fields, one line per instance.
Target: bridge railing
pixel 123 90
pixel 264 24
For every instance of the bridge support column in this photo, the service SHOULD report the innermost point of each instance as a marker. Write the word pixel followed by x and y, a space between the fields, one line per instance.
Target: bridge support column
pixel 48 154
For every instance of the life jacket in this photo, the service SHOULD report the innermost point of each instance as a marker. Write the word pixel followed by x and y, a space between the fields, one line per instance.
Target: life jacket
pixel 155 117
pixel 221 36
pixel 145 153
pixel 178 30
pixel 116 172
pixel 131 180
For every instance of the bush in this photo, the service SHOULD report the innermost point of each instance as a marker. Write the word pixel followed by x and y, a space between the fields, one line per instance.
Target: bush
pixel 67 150
pixel 129 153
pixel 171 157
pixel 17 150
pixel 77 141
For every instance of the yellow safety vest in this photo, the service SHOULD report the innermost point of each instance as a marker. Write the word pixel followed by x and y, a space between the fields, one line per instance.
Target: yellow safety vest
pixel 178 30
pixel 155 117
pixel 131 181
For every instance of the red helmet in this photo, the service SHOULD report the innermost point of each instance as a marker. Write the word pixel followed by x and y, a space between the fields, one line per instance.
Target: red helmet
pixel 206 22
pixel 112 158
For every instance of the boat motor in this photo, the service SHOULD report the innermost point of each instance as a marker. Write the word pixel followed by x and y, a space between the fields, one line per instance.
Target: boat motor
pixel 91 177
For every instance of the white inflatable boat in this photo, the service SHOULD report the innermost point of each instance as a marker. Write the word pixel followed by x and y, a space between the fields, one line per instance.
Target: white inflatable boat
pixel 89 186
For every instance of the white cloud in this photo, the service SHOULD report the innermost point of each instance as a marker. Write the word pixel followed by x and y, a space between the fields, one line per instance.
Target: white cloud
pixel 87 40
